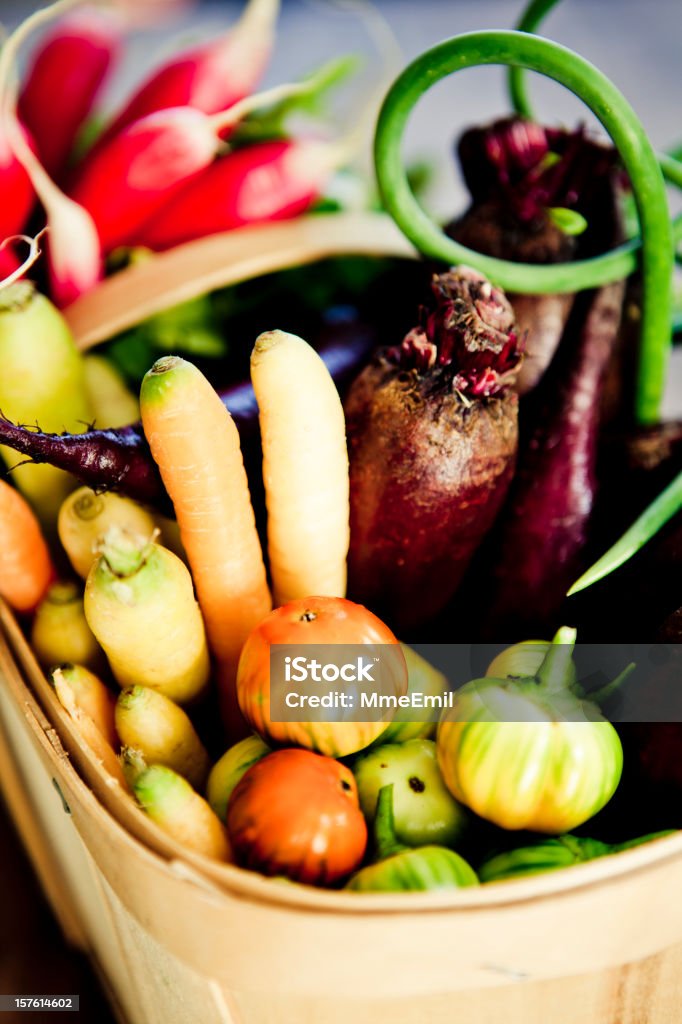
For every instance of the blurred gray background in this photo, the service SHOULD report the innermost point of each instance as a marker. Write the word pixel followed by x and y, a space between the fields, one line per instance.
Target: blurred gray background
pixel 636 44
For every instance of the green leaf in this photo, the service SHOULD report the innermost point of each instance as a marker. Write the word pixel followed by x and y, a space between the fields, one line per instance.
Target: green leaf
pixel 666 505
pixel 569 221
pixel 270 124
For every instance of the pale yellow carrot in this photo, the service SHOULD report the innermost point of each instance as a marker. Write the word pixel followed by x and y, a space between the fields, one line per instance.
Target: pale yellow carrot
pixel 99 745
pixel 84 518
pixel 76 686
pixel 170 801
pixel 113 405
pixel 139 603
pixel 162 732
pixel 60 633
pixel 305 468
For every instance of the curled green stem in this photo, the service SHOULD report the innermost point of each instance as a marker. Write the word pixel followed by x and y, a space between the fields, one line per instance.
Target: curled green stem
pixel 616 115
pixel 530 21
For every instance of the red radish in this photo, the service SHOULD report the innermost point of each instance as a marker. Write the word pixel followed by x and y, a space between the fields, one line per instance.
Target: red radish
pixel 264 182
pixel 15 188
pixel 131 177
pixel 74 251
pixel 432 436
pixel 65 77
pixel 210 77
pixel 74 254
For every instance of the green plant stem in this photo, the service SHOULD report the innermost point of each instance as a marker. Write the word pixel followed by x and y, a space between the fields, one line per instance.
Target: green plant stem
pixel 628 135
pixel 385 839
pixel 530 21
pixel 642 530
pixel 554 673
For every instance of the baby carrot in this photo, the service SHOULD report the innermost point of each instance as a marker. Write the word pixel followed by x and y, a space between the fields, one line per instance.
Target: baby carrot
pixel 305 468
pixel 170 801
pixel 113 405
pixel 85 517
pixel 25 563
pixel 140 605
pixel 77 687
pixel 196 446
pixel 162 732
pixel 60 632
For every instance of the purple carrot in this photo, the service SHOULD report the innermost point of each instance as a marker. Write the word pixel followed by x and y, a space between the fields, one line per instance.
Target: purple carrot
pixel 120 460
pixel 544 525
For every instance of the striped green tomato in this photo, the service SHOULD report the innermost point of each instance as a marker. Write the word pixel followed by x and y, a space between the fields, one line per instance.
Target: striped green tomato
pixel 428 867
pixel 523 659
pixel 551 854
pixel 229 769
pixel 527 753
pixel 422 677
pixel 400 869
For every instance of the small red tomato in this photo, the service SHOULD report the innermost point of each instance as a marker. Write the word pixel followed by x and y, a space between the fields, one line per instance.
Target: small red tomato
pixel 318 621
pixel 296 814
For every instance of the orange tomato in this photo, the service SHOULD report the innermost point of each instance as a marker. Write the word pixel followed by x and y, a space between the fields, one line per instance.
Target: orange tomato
pixel 296 814
pixel 317 620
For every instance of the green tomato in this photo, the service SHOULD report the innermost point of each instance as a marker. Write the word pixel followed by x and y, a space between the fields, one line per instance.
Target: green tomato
pixel 551 854
pixel 424 810
pixel 429 867
pixel 422 678
pixel 547 855
pixel 228 771
pixel 524 659
pixel 400 869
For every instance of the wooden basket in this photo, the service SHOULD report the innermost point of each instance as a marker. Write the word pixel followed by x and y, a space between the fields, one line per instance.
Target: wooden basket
pixel 181 939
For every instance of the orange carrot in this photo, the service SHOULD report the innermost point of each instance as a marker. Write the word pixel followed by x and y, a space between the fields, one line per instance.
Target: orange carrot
pixel 25 565
pixel 196 447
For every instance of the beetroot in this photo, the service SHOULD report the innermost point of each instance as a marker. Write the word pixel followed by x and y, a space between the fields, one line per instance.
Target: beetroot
pixel 432 432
